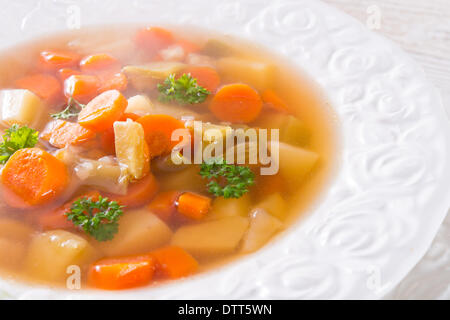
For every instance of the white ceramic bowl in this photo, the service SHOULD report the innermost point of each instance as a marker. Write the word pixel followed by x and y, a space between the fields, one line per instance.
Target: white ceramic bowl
pixel 392 189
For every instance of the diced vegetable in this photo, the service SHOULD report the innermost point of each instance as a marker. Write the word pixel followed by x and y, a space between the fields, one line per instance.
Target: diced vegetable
pixel 144 77
pixel 140 105
pixel 180 180
pixel 236 103
pixel 158 130
pixel 102 175
pixel 20 106
pixel 45 86
pixel 153 39
pixel 200 60
pixel 32 177
pixel 61 133
pixel 122 272
pixel 218 48
pixel 131 148
pixel 12 253
pixel 140 231
pixel 295 162
pixel 113 81
pixel 15 230
pixel 173 262
pixel 139 192
pixel 50 253
pixel 207 77
pixel 82 88
pixel 273 101
pixel 262 227
pixel 164 205
pixel 275 205
pixel 259 75
pixel 65 73
pixel 99 62
pixel 173 110
pixel 193 206
pixel 222 207
pixel 53 60
pixel 101 112
pixel 212 237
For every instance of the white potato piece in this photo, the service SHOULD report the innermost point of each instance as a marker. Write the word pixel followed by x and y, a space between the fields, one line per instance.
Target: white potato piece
pixel 187 177
pixel 131 148
pixel 262 227
pixel 15 230
pixel 222 207
pixel 254 73
pixel 102 175
pixel 212 237
pixel 140 105
pixel 20 106
pixel 144 77
pixel 140 231
pixel 275 205
pixel 50 253
pixel 295 162
pixel 173 110
pixel 12 253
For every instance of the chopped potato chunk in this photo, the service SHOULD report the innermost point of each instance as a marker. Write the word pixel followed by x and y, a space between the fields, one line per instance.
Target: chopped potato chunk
pixel 295 162
pixel 188 179
pixel 12 253
pixel 131 148
pixel 262 227
pixel 256 74
pixel 102 175
pixel 50 254
pixel 140 105
pixel 144 77
pixel 222 207
pixel 140 231
pixel 14 230
pixel 275 205
pixel 212 237
pixel 20 106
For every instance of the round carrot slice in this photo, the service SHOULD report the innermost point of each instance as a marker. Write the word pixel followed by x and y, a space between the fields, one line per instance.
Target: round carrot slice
pixel 206 77
pixel 56 59
pixel 33 176
pixel 139 193
pixel 237 103
pixel 153 39
pixel 101 112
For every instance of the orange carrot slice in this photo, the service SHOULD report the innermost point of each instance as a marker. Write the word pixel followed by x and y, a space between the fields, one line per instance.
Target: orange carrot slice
pixel 237 103
pixel 60 133
pixel 117 81
pixel 273 101
pixel 101 112
pixel 158 130
pixel 164 204
pixel 33 176
pixel 45 86
pixel 99 62
pixel 122 272
pixel 193 206
pixel 65 73
pixel 82 88
pixel 53 60
pixel 107 139
pixel 174 262
pixel 153 39
pixel 207 77
pixel 139 193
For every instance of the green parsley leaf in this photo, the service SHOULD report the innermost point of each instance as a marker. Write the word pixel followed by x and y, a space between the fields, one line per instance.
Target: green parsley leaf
pixel 236 180
pixel 185 90
pixel 16 138
pixel 72 109
pixel 97 218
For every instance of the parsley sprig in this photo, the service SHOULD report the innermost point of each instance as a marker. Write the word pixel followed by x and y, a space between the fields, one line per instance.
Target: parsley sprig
pixel 185 90
pixel 97 218
pixel 72 109
pixel 226 180
pixel 16 138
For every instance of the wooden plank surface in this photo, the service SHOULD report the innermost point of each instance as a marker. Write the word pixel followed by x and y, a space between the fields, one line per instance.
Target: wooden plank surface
pixel 421 28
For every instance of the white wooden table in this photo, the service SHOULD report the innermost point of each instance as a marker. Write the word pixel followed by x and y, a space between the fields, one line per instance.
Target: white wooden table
pixel 421 28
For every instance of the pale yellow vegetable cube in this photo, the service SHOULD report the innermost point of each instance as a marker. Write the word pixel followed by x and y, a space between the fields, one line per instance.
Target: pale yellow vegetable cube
pixel 140 231
pixel 140 105
pixel 50 254
pixel 275 205
pixel 294 162
pixel 12 253
pixel 144 77
pixel 174 110
pixel 254 73
pixel 222 207
pixel 211 238
pixel 131 148
pixel 15 230
pixel 262 227
pixel 188 179
pixel 20 106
